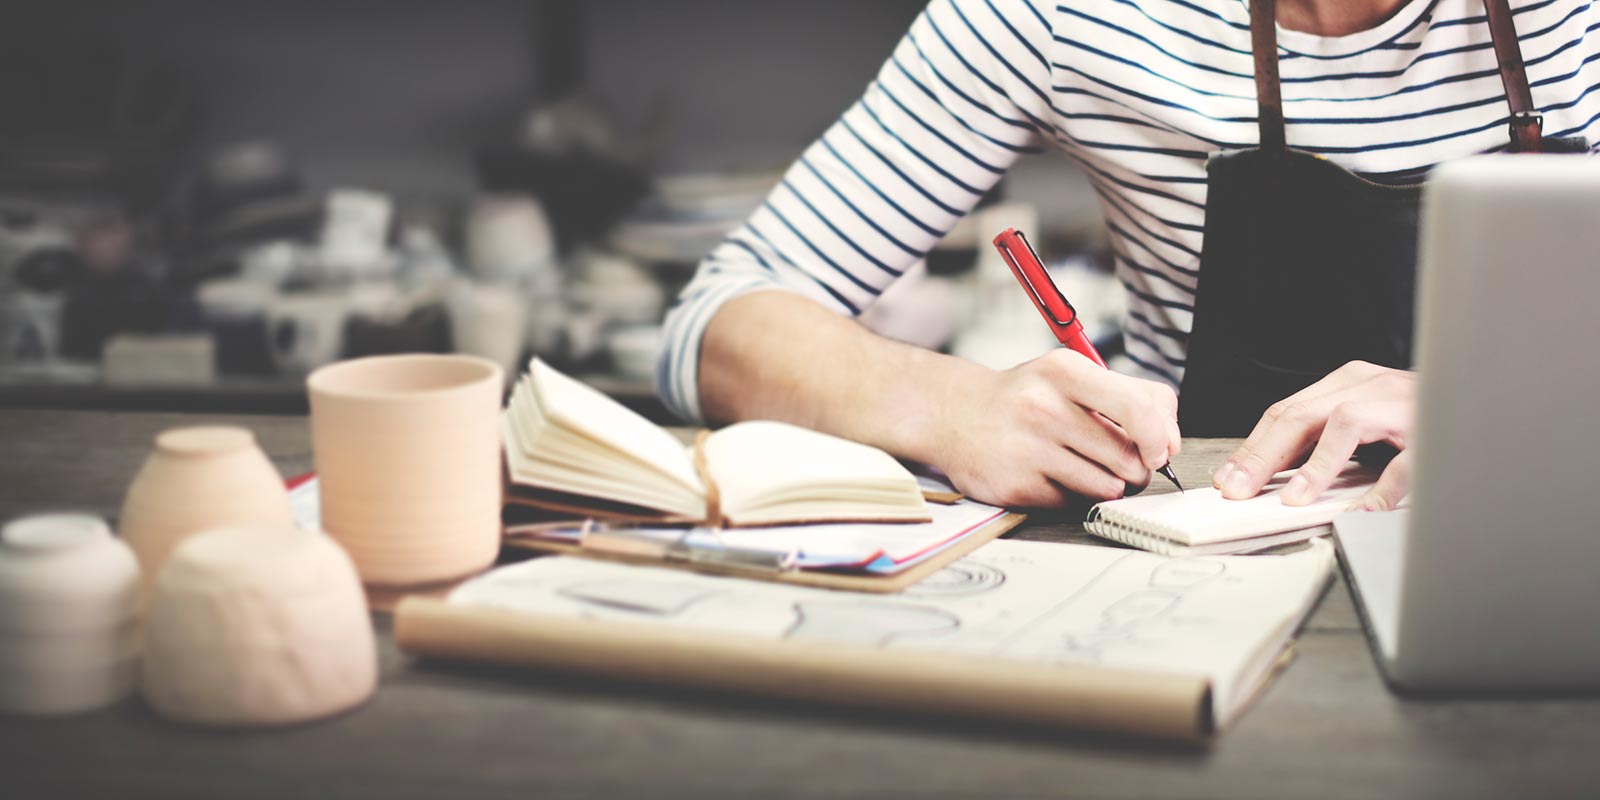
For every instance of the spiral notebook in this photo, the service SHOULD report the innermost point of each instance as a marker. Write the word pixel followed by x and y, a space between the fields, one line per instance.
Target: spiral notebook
pixel 1202 522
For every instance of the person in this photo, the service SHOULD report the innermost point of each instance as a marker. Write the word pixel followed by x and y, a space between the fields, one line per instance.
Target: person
pixel 1288 138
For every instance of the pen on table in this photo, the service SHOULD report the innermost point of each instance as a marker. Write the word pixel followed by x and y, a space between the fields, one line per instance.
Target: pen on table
pixel 1057 311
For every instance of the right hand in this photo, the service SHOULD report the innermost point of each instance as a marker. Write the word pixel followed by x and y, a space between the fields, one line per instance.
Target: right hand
pixel 1058 426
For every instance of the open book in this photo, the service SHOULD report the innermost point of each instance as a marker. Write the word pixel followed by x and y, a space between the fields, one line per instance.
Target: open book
pixel 570 448
pixel 1203 522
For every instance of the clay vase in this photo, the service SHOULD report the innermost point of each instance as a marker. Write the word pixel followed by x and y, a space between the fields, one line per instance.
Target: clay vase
pixel 257 626
pixel 69 626
pixel 199 479
pixel 408 460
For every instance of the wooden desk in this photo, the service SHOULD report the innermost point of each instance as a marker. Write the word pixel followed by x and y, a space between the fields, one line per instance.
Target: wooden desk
pixel 1327 727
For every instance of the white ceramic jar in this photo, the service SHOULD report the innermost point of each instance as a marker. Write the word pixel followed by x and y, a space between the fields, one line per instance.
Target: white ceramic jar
pixel 69 599
pixel 253 626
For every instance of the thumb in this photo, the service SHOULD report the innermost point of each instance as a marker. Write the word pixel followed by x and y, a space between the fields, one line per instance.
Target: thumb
pixel 1390 488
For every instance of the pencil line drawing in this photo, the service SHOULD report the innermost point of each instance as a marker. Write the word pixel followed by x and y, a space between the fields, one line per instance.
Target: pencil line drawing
pixel 652 598
pixel 869 623
pixel 959 579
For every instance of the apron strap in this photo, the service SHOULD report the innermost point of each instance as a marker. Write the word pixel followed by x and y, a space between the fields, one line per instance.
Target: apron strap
pixel 1526 122
pixel 1269 93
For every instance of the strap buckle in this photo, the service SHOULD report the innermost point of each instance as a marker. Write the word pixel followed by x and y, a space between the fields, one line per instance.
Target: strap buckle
pixel 1527 130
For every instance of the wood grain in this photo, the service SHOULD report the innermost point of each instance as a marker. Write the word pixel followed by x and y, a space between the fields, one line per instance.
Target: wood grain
pixel 1326 728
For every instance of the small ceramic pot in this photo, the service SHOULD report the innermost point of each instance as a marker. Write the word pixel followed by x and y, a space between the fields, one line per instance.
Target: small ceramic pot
pixel 408 458
pixel 69 599
pixel 257 626
pixel 198 479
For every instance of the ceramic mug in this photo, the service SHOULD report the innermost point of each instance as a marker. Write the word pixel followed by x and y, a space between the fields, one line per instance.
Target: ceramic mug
pixel 407 450
pixel 487 320
pixel 306 331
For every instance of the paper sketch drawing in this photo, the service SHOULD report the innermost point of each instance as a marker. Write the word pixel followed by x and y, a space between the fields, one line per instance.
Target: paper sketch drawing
pixel 657 598
pixel 1222 617
pixel 961 578
pixel 866 622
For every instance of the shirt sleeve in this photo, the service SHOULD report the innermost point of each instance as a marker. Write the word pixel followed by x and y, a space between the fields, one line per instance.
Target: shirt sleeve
pixel 964 93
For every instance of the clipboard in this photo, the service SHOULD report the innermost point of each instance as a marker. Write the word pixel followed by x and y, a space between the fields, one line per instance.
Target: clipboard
pixel 787 573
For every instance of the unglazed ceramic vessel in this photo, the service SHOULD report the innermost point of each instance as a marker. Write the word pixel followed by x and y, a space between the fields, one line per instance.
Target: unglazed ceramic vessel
pixel 408 458
pixel 69 599
pixel 198 479
pixel 257 626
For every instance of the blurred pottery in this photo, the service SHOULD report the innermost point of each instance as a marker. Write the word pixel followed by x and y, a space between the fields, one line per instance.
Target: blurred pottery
pixel 260 625
pixel 408 455
pixel 69 598
pixel 197 479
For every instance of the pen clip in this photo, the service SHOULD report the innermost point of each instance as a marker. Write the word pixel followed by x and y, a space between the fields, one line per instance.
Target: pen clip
pixel 1055 306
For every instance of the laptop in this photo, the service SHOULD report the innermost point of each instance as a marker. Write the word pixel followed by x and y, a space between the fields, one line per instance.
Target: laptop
pixel 1490 579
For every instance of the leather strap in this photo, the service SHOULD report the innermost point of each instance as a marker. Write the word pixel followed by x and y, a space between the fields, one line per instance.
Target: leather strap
pixel 1269 93
pixel 1526 122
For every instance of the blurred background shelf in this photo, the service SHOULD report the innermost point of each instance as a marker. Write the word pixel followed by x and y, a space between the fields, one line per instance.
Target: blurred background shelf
pixel 301 181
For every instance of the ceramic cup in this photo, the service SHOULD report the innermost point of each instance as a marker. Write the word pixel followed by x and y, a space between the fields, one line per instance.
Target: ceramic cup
pixel 306 330
pixel 69 595
pixel 487 320
pixel 408 454
pixel 262 625
pixel 197 479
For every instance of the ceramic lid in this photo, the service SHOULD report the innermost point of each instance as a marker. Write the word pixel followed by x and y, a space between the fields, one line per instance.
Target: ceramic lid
pixel 61 572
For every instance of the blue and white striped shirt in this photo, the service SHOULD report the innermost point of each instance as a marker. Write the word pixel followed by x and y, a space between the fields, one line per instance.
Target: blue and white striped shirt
pixel 1139 93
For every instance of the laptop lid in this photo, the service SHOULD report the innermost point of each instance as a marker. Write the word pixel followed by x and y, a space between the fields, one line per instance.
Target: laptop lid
pixel 1501 584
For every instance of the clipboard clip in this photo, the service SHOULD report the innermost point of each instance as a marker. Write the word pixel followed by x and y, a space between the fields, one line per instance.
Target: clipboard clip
pixel 661 545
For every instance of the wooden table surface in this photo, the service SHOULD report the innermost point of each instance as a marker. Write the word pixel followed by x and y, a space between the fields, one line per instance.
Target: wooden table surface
pixel 1327 727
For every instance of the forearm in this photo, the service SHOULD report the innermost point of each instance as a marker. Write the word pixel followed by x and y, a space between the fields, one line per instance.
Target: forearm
pixel 776 355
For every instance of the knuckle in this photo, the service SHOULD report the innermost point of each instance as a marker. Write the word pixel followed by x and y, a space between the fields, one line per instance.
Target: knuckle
pixel 1346 415
pixel 1276 411
pixel 1250 459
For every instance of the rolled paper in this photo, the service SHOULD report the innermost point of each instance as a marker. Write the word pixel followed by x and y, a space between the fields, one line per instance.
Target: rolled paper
pixel 1083 697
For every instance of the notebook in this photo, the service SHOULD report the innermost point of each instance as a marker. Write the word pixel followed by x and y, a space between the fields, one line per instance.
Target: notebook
pixel 570 448
pixel 1039 632
pixel 1203 522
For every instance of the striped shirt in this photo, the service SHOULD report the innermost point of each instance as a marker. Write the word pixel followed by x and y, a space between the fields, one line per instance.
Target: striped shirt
pixel 1138 93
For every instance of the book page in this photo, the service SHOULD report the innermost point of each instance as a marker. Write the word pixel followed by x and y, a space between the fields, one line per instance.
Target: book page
pixel 577 407
pixel 1204 516
pixel 1224 618
pixel 761 467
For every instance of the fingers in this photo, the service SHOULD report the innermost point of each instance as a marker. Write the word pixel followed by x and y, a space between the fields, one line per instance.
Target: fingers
pixel 1083 476
pixel 1101 442
pixel 1282 437
pixel 1386 494
pixel 1290 427
pixel 1350 425
pixel 1126 401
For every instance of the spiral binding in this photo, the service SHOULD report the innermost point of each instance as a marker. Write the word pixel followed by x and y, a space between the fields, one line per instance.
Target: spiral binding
pixel 1132 530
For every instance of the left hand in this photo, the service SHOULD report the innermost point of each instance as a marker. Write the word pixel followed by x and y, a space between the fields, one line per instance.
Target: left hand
pixel 1357 404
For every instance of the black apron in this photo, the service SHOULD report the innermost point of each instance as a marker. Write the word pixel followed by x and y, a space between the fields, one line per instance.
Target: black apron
pixel 1306 265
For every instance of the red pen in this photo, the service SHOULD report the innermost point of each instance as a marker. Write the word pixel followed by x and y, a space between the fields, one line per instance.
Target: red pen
pixel 1057 311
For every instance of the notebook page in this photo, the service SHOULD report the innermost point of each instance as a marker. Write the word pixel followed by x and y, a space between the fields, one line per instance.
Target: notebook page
pixel 1204 516
pixel 755 464
pixel 582 409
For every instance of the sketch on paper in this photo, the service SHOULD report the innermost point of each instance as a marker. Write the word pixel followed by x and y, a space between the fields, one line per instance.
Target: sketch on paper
pixel 1030 601
pixel 961 578
pixel 866 622
pixel 653 598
